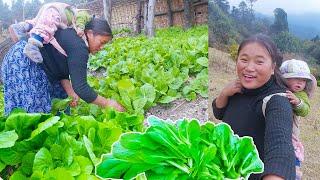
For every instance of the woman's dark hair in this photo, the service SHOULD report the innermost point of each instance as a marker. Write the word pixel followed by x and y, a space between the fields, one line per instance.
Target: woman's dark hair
pixel 275 54
pixel 99 26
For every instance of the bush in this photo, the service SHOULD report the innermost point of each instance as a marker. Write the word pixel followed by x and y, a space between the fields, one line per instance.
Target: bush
pixel 221 27
pixel 313 49
pixel 287 42
pixel 233 50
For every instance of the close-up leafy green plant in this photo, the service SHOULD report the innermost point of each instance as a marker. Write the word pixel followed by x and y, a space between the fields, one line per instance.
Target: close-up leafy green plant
pixel 44 146
pixel 181 150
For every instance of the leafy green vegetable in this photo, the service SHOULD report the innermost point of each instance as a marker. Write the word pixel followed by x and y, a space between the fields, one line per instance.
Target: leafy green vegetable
pixel 89 147
pixel 18 175
pixel 8 138
pixel 181 150
pixel 22 122
pixel 59 105
pixel 45 125
pixel 85 164
pixel 43 161
pixel 27 163
pixel 69 145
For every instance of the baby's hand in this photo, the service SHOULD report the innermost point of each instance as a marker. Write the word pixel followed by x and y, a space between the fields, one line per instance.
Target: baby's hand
pixel 75 99
pixel 232 88
pixel 292 98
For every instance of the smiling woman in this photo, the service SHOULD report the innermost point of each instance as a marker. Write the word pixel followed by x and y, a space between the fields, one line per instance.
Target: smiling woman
pixel 240 105
pixel 254 66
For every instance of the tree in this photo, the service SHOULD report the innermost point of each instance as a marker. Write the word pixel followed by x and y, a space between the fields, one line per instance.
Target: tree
pixel 251 11
pixel 244 19
pixel 139 16
pixel 312 49
pixel 212 39
pixel 280 22
pixel 170 14
pixel 235 13
pixel 107 8
pixel 221 29
pixel 287 42
pixel 223 5
pixel 251 4
pixel 245 14
pixel 149 30
pixel 188 15
pixel 315 52
pixel 261 26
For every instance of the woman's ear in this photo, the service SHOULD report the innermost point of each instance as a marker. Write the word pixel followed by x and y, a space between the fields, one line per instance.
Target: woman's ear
pixel 273 68
pixel 89 33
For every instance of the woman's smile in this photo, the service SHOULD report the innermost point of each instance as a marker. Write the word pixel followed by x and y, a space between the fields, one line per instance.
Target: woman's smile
pixel 249 78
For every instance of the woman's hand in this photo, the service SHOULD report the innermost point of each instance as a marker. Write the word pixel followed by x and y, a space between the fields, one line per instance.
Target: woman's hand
pixel 75 99
pixel 103 102
pixel 232 88
pixel 293 98
pixel 114 104
pixel 229 90
pixel 66 84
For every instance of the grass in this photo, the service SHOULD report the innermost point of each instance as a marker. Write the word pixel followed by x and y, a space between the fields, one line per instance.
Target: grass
pixel 222 70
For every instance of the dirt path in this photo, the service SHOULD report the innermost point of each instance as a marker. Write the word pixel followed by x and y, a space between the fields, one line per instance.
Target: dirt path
pixel 182 109
pixel 222 70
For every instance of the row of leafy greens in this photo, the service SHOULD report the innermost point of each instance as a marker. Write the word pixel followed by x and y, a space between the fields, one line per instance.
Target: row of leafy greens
pixel 181 150
pixel 141 72
pixel 43 146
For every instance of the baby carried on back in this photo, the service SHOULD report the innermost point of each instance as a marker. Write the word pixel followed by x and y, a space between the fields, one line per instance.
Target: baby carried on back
pixel 42 28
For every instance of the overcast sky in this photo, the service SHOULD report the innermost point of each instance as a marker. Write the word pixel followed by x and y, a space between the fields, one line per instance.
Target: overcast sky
pixel 290 6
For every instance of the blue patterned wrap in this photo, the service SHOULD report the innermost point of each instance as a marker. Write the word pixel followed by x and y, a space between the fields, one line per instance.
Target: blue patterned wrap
pixel 25 83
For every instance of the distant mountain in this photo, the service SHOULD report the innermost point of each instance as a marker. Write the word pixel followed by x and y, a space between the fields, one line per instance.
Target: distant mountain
pixel 305 26
pixel 303 32
pixel 263 16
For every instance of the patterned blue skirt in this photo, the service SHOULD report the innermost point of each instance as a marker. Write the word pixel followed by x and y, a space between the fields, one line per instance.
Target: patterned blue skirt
pixel 25 83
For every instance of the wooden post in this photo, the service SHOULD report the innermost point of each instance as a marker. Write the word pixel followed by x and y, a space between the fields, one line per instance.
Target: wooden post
pixel 150 23
pixel 139 9
pixel 170 18
pixel 107 8
pixel 145 15
pixel 188 14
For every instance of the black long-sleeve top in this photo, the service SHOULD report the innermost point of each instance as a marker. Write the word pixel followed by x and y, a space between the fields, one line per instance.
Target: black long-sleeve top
pixel 58 67
pixel 272 134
